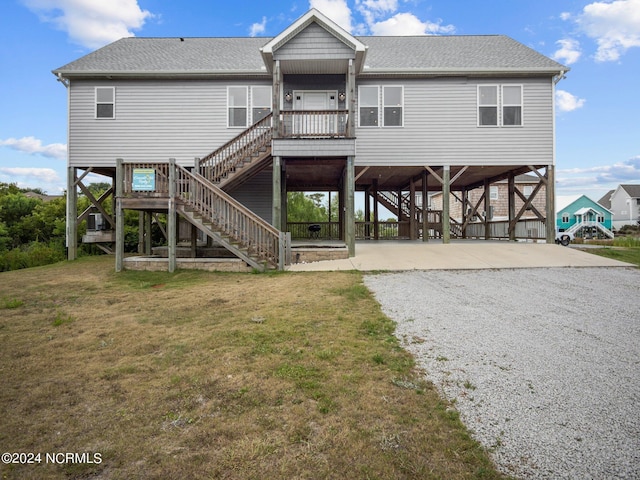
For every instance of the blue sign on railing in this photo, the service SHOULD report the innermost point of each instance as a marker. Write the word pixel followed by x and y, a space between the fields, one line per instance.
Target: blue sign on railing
pixel 144 180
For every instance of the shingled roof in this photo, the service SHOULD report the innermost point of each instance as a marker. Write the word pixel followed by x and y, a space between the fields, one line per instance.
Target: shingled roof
pixel 138 56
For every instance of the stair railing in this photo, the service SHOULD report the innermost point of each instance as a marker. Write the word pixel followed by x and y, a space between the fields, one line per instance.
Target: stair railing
pixel 232 154
pixel 231 218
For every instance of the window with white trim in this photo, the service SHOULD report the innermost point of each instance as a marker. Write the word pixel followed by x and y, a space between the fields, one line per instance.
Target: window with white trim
pixel 487 105
pixel 105 102
pixel 260 103
pixel 565 218
pixel 527 190
pixel 500 105
pixel 368 106
pixel 393 106
pixel 511 105
pixel 493 193
pixel 237 106
pixel 600 218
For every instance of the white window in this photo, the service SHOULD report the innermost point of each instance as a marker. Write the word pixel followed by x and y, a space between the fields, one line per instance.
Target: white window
pixel 369 106
pixel 260 103
pixel 393 102
pixel 493 193
pixel 512 105
pixel 600 218
pixel 487 105
pixel 565 218
pixel 527 190
pixel 237 105
pixel 105 102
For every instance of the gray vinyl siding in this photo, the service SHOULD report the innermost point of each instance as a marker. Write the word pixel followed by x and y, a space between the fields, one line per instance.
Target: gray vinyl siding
pixel 314 42
pixel 301 147
pixel 256 194
pixel 440 126
pixel 154 121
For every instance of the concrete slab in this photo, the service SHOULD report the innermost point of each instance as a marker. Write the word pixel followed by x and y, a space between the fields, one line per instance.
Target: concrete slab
pixel 472 254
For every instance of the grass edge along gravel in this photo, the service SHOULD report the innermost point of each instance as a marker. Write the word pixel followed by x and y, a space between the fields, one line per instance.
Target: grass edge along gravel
pixel 205 375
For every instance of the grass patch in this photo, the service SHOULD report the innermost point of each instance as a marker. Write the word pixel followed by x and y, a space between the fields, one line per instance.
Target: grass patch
pixel 623 254
pixel 172 376
pixel 10 303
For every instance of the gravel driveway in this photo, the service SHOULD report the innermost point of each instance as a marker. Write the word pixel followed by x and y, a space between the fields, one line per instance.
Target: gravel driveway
pixel 543 364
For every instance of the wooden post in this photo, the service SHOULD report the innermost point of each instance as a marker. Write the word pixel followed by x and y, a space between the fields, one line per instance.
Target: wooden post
pixel 350 216
pixel 412 210
pixel 275 107
pixel 367 213
pixel 446 191
pixel 119 215
pixel 141 232
pixel 512 206
pixel 276 181
pixel 351 99
pixel 147 230
pixel 172 230
pixel 376 220
pixel 425 207
pixel 487 208
pixel 72 214
pixel 551 204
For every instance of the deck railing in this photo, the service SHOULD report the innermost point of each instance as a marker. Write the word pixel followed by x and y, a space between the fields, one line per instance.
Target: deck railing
pixel 314 123
pixel 314 230
pixel 525 229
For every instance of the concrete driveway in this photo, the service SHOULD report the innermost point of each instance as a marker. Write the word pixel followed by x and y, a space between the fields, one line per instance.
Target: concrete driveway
pixel 469 254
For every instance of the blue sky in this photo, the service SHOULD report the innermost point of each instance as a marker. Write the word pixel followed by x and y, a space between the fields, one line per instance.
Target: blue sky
pixel 597 105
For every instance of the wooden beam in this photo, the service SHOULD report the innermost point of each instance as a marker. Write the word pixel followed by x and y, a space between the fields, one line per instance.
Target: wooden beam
pixel 362 173
pixel 72 215
pixel 551 206
pixel 425 208
pixel 512 204
pixel 119 215
pixel 446 219
pixel 460 172
pixel 432 172
pixel 172 217
pixel 84 174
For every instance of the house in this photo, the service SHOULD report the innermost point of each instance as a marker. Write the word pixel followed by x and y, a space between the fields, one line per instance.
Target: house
pixel 583 217
pixel 624 203
pixel 216 131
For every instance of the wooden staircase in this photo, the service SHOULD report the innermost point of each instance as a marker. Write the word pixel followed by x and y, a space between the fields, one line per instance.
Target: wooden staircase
pixel 240 158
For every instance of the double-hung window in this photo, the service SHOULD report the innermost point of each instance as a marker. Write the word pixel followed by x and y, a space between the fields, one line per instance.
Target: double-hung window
pixel 105 102
pixel 369 106
pixel 392 101
pixel 487 105
pixel 512 105
pixel 500 105
pixel 260 103
pixel 237 106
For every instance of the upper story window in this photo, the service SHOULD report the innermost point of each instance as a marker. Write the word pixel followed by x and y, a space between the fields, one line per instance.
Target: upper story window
pixel 237 106
pixel 368 102
pixel 488 105
pixel 105 102
pixel 393 102
pixel 493 193
pixel 565 218
pixel 512 105
pixel 499 105
pixel 260 103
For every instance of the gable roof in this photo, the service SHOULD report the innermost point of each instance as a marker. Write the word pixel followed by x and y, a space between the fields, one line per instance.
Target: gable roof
pixel 632 190
pixel 605 201
pixel 563 204
pixel 417 55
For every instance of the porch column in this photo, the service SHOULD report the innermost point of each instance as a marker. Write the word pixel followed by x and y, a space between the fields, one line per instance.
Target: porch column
pixel 464 193
pixel 275 107
pixel 72 214
pixel 147 230
pixel 351 99
pixel 425 208
pixel 119 215
pixel 446 192
pixel 172 217
pixel 350 216
pixel 367 213
pixel 512 206
pixel 551 203
pixel 276 180
pixel 487 208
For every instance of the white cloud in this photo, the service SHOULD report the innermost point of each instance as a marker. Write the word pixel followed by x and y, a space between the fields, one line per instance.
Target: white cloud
pixel 569 51
pixel 33 146
pixel 600 176
pixel 46 175
pixel 258 28
pixel 92 23
pixel 615 26
pixel 566 102
pixel 409 24
pixel 336 10
pixel 565 16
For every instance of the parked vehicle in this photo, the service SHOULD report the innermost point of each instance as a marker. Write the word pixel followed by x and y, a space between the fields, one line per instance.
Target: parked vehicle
pixel 563 238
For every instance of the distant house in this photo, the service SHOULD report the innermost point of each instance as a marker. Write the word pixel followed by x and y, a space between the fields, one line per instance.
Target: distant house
pixel 583 217
pixel 624 203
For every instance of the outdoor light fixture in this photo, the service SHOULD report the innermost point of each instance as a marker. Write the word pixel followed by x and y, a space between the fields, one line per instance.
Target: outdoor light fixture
pixel 288 97
pixel 341 96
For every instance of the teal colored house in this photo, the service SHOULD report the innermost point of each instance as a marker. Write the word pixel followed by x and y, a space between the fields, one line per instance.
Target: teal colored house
pixel 583 217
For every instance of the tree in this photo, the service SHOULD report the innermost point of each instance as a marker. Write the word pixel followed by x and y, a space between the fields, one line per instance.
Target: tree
pixel 303 207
